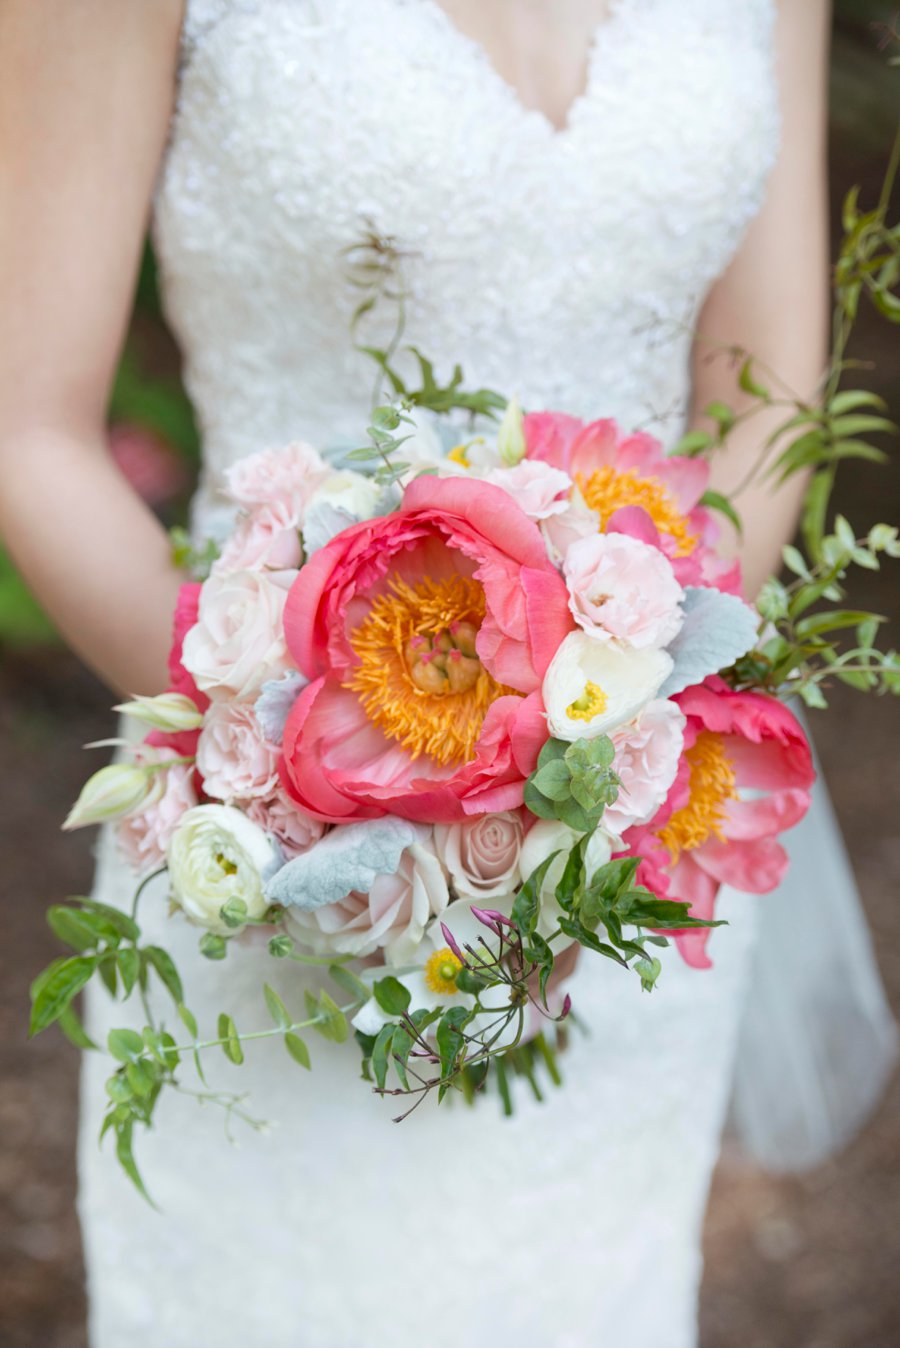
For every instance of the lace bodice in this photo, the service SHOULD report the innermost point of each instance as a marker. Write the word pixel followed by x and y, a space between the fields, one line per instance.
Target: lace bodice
pixel 567 266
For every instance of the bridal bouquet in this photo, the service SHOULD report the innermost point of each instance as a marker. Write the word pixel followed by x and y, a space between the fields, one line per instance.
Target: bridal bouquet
pixel 432 725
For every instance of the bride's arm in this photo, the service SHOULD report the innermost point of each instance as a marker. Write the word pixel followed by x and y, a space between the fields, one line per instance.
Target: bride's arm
pixel 773 300
pixel 86 94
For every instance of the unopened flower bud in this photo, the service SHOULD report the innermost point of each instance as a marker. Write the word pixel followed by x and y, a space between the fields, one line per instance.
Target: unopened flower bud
pixel 113 792
pixel 511 435
pixel 170 712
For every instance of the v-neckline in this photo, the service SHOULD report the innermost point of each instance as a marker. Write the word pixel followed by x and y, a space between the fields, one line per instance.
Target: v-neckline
pixel 482 57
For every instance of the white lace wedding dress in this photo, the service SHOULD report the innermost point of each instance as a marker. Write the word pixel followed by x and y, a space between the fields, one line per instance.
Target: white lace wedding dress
pixel 568 266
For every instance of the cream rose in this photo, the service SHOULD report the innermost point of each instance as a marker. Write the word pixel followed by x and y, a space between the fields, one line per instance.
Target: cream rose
pixel 393 915
pixel 237 643
pixel 481 855
pixel 217 854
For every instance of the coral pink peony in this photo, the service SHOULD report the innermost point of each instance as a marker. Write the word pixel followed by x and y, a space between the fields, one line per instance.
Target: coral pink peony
pixel 707 834
pixel 426 635
pixel 637 489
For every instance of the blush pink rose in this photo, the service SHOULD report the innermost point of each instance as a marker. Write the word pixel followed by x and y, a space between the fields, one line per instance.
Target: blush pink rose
pixel 391 917
pixel 338 762
pixel 481 855
pixel 267 537
pixel 768 754
pixel 279 816
pixel 648 751
pixel 285 477
pixel 144 836
pixel 237 643
pixel 623 590
pixel 234 759
pixel 537 488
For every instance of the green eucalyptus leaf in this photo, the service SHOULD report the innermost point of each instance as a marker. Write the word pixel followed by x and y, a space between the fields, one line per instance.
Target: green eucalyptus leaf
pixel 231 1046
pixel 296 1047
pixel 276 1007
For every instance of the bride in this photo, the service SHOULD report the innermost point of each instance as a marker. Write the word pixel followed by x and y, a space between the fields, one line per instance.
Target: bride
pixel 576 186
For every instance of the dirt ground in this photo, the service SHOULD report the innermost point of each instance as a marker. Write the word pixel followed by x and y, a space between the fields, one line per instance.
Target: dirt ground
pixel 790 1263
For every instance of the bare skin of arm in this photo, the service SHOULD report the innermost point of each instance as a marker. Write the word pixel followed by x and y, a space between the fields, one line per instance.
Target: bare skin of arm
pixel 85 101
pixel 773 300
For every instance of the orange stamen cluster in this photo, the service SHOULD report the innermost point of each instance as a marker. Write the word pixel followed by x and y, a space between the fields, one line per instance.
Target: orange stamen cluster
pixel 711 784
pixel 608 489
pixel 419 677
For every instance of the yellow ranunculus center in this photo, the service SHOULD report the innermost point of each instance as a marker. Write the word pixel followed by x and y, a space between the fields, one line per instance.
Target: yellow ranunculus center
pixel 458 455
pixel 591 703
pixel 419 677
pixel 712 782
pixel 441 971
pixel 608 489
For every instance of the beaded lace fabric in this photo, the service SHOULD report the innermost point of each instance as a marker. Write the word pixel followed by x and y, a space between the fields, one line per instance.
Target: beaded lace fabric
pixel 568 266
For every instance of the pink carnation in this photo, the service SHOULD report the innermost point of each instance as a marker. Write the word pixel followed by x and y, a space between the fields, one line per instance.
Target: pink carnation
pixel 267 537
pixel 285 477
pixel 623 590
pixel 145 836
pixel 233 757
pixel 405 715
pixel 537 488
pixel 648 751
pixel 278 815
pixel 706 834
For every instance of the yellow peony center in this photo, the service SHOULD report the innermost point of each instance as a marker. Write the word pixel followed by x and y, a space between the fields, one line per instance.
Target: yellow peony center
pixel 419 677
pixel 591 703
pixel 711 784
pixel 608 489
pixel 441 971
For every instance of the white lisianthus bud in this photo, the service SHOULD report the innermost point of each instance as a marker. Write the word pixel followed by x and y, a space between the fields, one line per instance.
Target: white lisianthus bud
pixel 113 792
pixel 593 686
pixel 511 435
pixel 171 712
pixel 216 854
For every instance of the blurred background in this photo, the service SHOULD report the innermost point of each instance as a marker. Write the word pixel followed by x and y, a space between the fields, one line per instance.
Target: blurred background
pixel 790 1263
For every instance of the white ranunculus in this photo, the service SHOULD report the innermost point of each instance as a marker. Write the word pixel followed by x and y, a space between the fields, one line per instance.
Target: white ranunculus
pixel 217 854
pixel 482 854
pixel 592 686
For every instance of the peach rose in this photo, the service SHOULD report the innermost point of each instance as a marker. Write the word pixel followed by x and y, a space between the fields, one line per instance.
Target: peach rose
pixel 481 855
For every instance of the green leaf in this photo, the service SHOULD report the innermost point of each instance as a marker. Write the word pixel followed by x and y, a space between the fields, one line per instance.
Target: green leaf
pixel 349 983
pixel 335 1025
pixel 722 414
pixel 537 802
pixel 129 962
pixel 401 1047
pixel 126 1159
pixel 448 1038
pixel 551 750
pixel 54 989
pixel 123 924
pixel 277 1009
pixel 392 996
pixel 714 500
pixel 164 966
pixel 749 384
pixel 527 903
pixel 380 1052
pixel 569 885
pixel 296 1047
pixel 141 1077
pixel 188 1020
pixel 693 443
pixel 124 1044
pixel 232 1044
pixel 795 561
pixel 82 931
pixel 73 1029
pixel 108 968
pixel 553 780
pixel 849 399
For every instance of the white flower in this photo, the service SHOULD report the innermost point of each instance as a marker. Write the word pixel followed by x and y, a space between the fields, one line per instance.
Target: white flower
pixel 344 498
pixel 217 854
pixel 171 712
pixel 482 854
pixel 592 686
pixel 111 793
